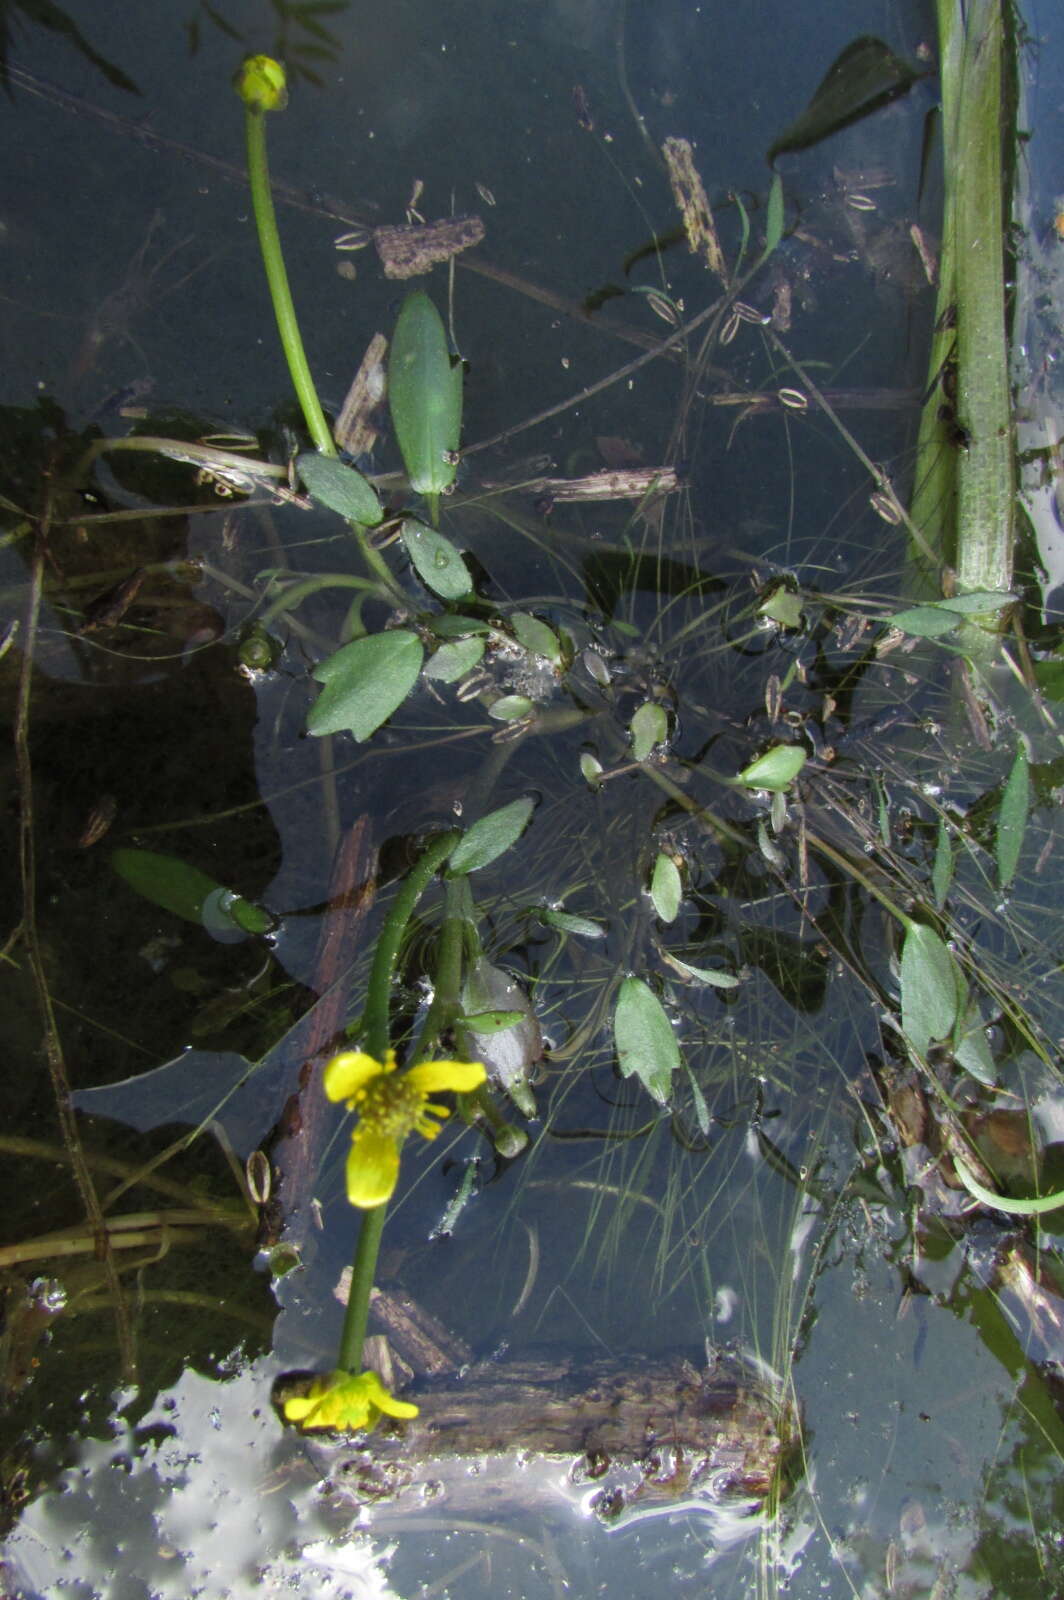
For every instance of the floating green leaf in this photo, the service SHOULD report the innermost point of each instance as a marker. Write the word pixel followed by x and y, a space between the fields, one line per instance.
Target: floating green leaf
pixel 1012 818
pixel 971 1049
pixel 932 987
pixel 666 888
pixel 510 707
pixel 776 769
pixel 536 636
pixel 339 487
pixel 436 561
pixel 708 975
pixel 590 769
pixel 425 395
pixel 864 77
pixel 565 922
pixel 490 836
pixel 783 606
pixel 491 1021
pixel 365 681
pixel 452 661
pixel 187 892
pixel 453 626
pixel 649 727
pixel 646 1044
pixel 942 616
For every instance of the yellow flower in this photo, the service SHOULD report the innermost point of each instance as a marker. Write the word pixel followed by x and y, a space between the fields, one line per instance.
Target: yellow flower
pixel 348 1402
pixel 390 1105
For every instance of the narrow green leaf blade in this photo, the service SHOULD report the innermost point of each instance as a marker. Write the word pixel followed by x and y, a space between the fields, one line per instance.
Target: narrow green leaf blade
pixel 1012 818
pixel 365 681
pixel 645 1041
pixel 490 837
pixel 776 769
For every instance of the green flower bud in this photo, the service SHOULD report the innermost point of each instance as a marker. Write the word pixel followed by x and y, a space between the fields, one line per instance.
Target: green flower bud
pixel 261 84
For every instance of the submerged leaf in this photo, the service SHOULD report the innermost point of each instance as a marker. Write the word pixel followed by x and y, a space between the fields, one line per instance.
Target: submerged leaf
pixel 649 727
pixel 365 681
pixel 1012 818
pixel 566 922
pixel 490 836
pixel 646 1044
pixel 340 488
pixel 666 888
pixel 425 395
pixel 452 661
pixel 932 988
pixel 187 892
pixel 864 77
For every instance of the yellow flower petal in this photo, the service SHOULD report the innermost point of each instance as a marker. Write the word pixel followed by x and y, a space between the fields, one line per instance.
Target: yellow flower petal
pixel 349 1072
pixel 347 1402
pixel 461 1076
pixel 380 1397
pixel 372 1168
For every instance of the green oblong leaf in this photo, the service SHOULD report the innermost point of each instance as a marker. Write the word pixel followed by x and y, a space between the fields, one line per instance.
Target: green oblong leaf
pixel 646 1044
pixel 364 683
pixel 1012 818
pixel 436 561
pixel 536 636
pixel 566 922
pixel 452 661
pixel 666 888
pixel 864 77
pixel 511 707
pixel 776 769
pixel 187 892
pixel 932 987
pixel 649 727
pixel 425 395
pixel 339 487
pixel 489 837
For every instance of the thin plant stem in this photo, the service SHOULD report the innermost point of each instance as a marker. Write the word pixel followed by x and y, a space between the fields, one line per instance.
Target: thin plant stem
pixel 363 1270
pixel 277 278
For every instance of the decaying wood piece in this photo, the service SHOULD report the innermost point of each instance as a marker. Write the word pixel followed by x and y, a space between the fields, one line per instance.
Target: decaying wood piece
pixel 410 249
pixel 616 1440
pixel 633 483
pixel 690 197
pixel 354 430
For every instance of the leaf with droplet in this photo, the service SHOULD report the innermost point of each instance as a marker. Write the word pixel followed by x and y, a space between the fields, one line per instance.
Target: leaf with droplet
pixel 1012 818
pixel 644 1037
pixel 666 887
pixel 187 892
pixel 436 561
pixel 490 837
pixel 339 487
pixel 649 727
pixel 365 681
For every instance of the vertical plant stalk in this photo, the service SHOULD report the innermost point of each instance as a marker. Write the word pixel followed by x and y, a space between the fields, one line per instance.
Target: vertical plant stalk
pixel 375 1027
pixel 277 279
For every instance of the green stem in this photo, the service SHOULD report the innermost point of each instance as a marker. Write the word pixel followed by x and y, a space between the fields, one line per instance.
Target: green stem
pixel 277 278
pixel 363 1269
pixel 378 992
pixel 375 1021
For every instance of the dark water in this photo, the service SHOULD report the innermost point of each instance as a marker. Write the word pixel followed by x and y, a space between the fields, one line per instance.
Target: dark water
pixel 130 278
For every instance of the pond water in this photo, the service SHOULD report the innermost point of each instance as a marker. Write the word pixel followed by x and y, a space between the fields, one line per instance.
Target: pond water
pixel 786 1203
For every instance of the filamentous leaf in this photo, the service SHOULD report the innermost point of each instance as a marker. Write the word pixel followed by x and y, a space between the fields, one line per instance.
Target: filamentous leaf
pixel 649 727
pixel 646 1044
pixel 931 988
pixel 1012 818
pixel 776 769
pixel 489 837
pixel 365 681
pixel 425 395
pixel 436 561
pixel 666 887
pixel 339 487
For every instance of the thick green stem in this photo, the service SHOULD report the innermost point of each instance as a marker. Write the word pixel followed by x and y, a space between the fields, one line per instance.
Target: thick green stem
pixel 375 1020
pixel 363 1269
pixel 277 278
